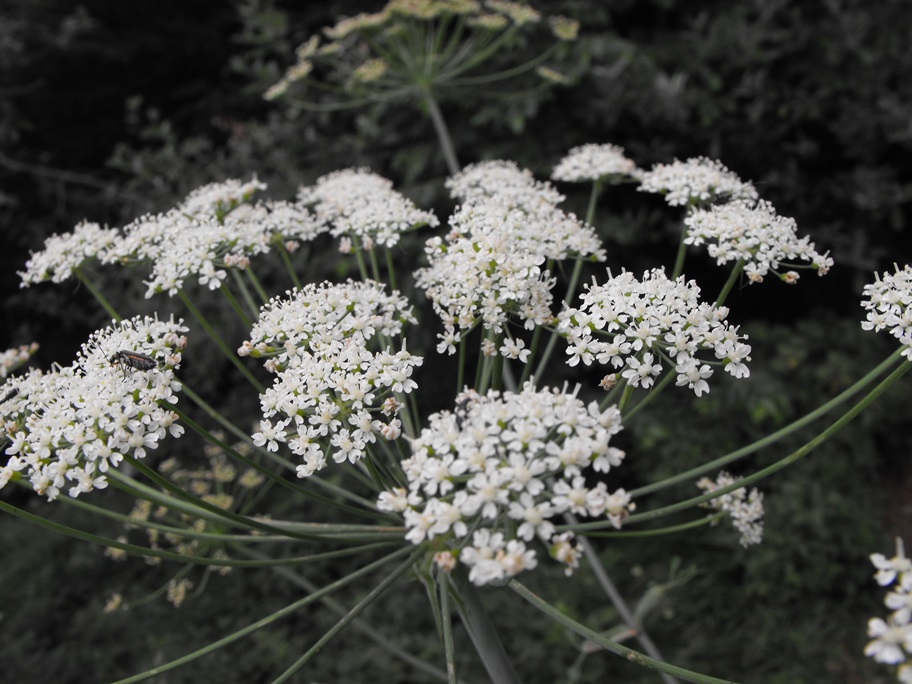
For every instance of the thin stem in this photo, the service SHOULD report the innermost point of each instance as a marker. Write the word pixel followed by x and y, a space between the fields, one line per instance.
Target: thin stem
pixel 446 619
pixel 220 343
pixel 653 393
pixel 533 354
pixel 105 304
pixel 229 516
pixel 484 635
pixel 251 276
pixel 359 625
pixel 141 550
pixel 658 531
pixel 730 283
pixel 680 256
pixel 286 259
pixel 263 622
pixel 235 454
pixel 375 266
pixel 235 305
pixel 391 271
pixel 593 201
pixel 460 373
pixel 362 266
pixel 613 646
pixel 774 437
pixel 349 617
pixel 552 341
pixel 601 576
pixel 443 133
pixel 245 293
pixel 804 450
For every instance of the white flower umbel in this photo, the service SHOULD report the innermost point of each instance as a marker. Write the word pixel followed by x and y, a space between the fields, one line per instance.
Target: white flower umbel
pixel 63 253
pixel 16 357
pixel 694 182
pixel 486 278
pixel 69 426
pixel 212 231
pixel 752 232
pixel 330 387
pixel 220 198
pixel 891 639
pixel 887 304
pixel 636 325
pixel 592 162
pixel 745 510
pixel 513 186
pixel 490 265
pixel 487 479
pixel 359 204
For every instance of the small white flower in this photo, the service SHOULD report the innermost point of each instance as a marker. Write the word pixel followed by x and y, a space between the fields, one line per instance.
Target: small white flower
pixel 887 303
pixel 745 510
pixel 629 323
pixel 750 231
pixel 593 162
pixel 484 467
pixel 696 181
pixel 68 427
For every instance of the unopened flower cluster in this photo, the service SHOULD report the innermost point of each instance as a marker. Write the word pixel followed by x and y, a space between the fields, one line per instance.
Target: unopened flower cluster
pixel 891 639
pixel 68 427
pixel 694 182
pixel 751 232
pixel 400 37
pixel 635 325
pixel 744 509
pixel 330 387
pixel 887 304
pixel 491 476
pixel 594 162
pixel 216 480
pixel 363 209
pixel 492 264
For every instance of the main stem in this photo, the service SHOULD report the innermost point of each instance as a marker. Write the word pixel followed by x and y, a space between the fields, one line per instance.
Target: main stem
pixel 443 134
pixel 484 636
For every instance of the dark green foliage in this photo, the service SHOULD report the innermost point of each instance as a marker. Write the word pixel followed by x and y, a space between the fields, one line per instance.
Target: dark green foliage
pixel 111 109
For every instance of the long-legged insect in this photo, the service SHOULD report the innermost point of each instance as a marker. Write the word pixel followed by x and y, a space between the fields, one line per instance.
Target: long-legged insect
pixel 135 360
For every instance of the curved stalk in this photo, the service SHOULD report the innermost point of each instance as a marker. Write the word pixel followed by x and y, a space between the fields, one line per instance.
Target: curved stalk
pixel 251 276
pixel 349 617
pixel 220 343
pixel 100 298
pixel 236 306
pixel 613 646
pixel 804 450
pixel 245 293
pixel 263 622
pixel 772 438
pixel 620 605
pixel 359 625
pixel 730 283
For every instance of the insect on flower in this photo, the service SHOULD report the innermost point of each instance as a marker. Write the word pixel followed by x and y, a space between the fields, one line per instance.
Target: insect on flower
pixel 135 360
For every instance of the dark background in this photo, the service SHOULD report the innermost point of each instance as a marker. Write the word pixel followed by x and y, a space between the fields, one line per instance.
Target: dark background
pixel 111 109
